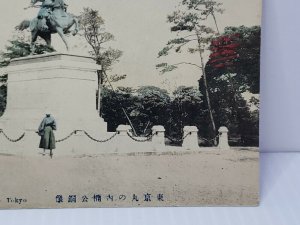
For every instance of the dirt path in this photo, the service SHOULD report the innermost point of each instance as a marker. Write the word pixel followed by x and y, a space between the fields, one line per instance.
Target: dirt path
pixel 171 179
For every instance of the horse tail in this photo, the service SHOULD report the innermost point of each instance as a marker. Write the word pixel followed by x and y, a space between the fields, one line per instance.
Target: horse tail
pixel 23 25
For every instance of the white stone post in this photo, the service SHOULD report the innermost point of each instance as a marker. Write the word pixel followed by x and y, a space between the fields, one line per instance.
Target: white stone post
pixel 223 139
pixel 122 140
pixel 190 135
pixel 158 138
pixel 123 130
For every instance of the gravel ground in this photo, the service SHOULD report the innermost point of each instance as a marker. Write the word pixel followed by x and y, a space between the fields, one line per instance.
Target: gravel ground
pixel 173 178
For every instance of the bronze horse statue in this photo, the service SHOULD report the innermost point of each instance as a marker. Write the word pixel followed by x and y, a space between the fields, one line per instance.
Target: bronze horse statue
pixel 51 19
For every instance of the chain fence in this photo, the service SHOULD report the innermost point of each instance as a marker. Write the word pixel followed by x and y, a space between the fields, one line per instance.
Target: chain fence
pixel 148 138
pixel 178 140
pixel 10 139
pixel 209 140
pixel 88 135
pixel 100 141
pixel 67 137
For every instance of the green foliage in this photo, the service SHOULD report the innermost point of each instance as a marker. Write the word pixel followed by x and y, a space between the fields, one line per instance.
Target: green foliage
pixel 145 106
pixel 18 49
pixel 165 67
pixel 164 51
pixel 149 106
pixel 184 110
pixel 3 93
pixel 231 109
pixel 228 84
pixel 249 56
pixel 192 13
pixel 92 27
pixel 189 21
pixel 247 66
pixel 112 103
pixel 205 7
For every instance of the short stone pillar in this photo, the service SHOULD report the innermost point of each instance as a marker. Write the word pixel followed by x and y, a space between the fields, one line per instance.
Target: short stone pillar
pixel 123 130
pixel 158 138
pixel 122 140
pixel 190 135
pixel 223 138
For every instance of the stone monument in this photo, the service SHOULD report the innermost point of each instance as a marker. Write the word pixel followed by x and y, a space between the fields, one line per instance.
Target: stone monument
pixel 63 85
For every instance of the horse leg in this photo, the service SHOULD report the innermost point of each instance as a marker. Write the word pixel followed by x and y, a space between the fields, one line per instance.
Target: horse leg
pixel 75 31
pixel 48 40
pixel 60 31
pixel 34 36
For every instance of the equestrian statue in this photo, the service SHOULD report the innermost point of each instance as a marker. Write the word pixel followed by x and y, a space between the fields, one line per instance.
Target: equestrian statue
pixel 52 18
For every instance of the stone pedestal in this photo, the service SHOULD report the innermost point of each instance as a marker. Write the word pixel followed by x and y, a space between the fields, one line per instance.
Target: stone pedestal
pixel 223 138
pixel 158 138
pixel 123 130
pixel 190 135
pixel 63 85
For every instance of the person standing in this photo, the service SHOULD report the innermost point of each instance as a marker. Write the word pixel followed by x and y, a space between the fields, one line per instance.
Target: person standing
pixel 45 130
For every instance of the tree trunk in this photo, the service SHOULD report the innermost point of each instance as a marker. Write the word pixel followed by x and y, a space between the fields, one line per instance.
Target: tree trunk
pixel 215 20
pixel 213 125
pixel 100 83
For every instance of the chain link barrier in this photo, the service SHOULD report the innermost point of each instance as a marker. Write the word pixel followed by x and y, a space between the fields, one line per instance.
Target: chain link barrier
pixel 209 140
pixel 148 138
pixel 100 141
pixel 88 135
pixel 63 139
pixel 10 139
pixel 70 135
pixel 181 140
pixel 178 140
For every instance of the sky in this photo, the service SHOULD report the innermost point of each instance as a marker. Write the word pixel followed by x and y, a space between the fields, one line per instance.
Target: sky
pixel 141 30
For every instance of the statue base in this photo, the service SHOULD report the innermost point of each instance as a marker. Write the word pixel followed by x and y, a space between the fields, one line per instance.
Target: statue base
pixel 60 84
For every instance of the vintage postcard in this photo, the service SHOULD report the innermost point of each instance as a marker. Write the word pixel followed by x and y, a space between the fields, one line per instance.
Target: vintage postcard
pixel 135 103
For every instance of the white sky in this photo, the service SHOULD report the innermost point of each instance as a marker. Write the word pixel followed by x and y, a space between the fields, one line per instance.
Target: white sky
pixel 140 30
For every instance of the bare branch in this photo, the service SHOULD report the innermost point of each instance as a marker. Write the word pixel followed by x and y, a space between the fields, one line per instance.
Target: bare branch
pixel 187 63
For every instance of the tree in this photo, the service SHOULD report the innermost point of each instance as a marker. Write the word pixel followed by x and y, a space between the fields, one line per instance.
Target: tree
pixel 17 48
pixel 113 102
pixel 92 27
pixel 232 70
pixel 185 110
pixel 188 22
pixel 146 106
pixel 248 67
pixel 237 51
pixel 230 107
pixel 206 7
pixel 151 108
pixel 3 90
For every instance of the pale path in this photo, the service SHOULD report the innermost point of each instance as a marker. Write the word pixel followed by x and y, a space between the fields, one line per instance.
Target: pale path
pixel 184 178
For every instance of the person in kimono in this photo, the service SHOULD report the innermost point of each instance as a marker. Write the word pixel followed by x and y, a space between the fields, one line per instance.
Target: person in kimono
pixel 46 128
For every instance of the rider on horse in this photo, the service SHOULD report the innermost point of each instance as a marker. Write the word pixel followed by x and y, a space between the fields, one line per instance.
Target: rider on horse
pixel 48 7
pixel 52 18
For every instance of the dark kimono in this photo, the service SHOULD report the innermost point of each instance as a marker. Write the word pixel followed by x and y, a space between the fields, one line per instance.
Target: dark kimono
pixel 46 132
